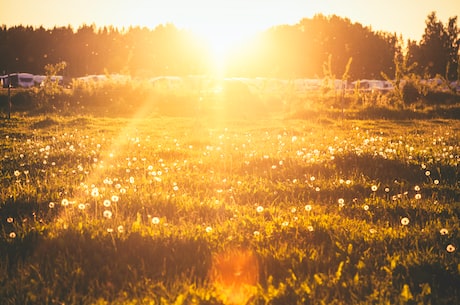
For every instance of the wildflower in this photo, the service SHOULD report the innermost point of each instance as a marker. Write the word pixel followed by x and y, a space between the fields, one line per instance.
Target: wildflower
pixel 372 231
pixel 95 192
pixel 155 220
pixel 317 189
pixel 308 208
pixel 260 209
pixel 109 230
pixel 107 203
pixel 417 188
pixel 256 233
pixel 427 173
pixel 9 220
pixel 405 221
pixel 17 173
pixel 443 231
pixel 374 188
pixel 115 198
pixel 208 229
pixel 436 181
pixel 13 235
pixel 65 202
pixel 341 202
pixel 107 214
pixel 175 188
pixel 387 189
pixel 366 207
pixel 285 223
pixel 450 248
pixel 51 205
pixel 293 210
pixel 81 206
pixel 310 228
pixel 418 196
pixel 120 229
pixel 131 180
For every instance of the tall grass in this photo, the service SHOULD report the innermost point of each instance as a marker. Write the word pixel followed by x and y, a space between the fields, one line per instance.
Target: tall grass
pixel 225 211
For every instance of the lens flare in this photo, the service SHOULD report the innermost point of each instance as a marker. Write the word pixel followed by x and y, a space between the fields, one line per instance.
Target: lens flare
pixel 235 275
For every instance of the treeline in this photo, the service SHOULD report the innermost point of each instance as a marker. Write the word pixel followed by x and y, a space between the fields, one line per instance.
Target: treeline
pixel 287 51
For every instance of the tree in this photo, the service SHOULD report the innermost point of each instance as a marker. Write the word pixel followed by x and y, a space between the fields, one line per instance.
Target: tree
pixel 437 53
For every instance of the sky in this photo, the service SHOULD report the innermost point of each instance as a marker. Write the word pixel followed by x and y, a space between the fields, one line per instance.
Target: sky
pixel 226 21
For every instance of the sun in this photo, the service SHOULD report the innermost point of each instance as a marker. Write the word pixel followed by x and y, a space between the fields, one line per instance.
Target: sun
pixel 222 42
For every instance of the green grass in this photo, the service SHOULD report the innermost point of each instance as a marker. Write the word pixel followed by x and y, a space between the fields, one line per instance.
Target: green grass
pixel 100 210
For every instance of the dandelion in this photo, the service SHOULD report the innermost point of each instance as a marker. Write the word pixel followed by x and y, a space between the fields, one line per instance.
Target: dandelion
pixel 317 189
pixel 17 173
pixel 341 202
pixel 65 202
pixel 13 235
pixel 372 231
pixel 374 188
pixel 450 248
pixel 308 208
pixel 114 198
pixel 285 223
pixel 81 206
pixel 417 188
pixel 293 210
pixel 155 220
pixel 109 230
pixel 366 207
pixel 443 231
pixel 107 214
pixel 51 205
pixel 175 188
pixel 256 233
pixel 427 173
pixel 95 192
pixel 310 228
pixel 120 229
pixel 387 189
pixel 405 221
pixel 418 196
pixel 436 181
pixel 131 180
pixel 107 203
pixel 208 229
pixel 9 220
pixel 260 209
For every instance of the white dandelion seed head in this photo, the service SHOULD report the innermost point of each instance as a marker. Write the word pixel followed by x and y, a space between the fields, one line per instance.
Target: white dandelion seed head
pixel 260 209
pixel 107 203
pixel 450 248
pixel 107 214
pixel 444 231
pixel 155 220
pixel 405 221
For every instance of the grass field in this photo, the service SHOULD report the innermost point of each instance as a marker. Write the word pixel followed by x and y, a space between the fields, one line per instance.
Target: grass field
pixel 208 211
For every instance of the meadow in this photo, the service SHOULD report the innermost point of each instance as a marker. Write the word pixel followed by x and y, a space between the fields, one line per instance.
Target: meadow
pixel 164 210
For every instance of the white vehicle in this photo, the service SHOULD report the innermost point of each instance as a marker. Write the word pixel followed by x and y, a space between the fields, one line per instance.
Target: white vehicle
pixel 15 80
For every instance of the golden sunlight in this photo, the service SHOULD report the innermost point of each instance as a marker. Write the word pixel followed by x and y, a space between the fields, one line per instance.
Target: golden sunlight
pixel 235 275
